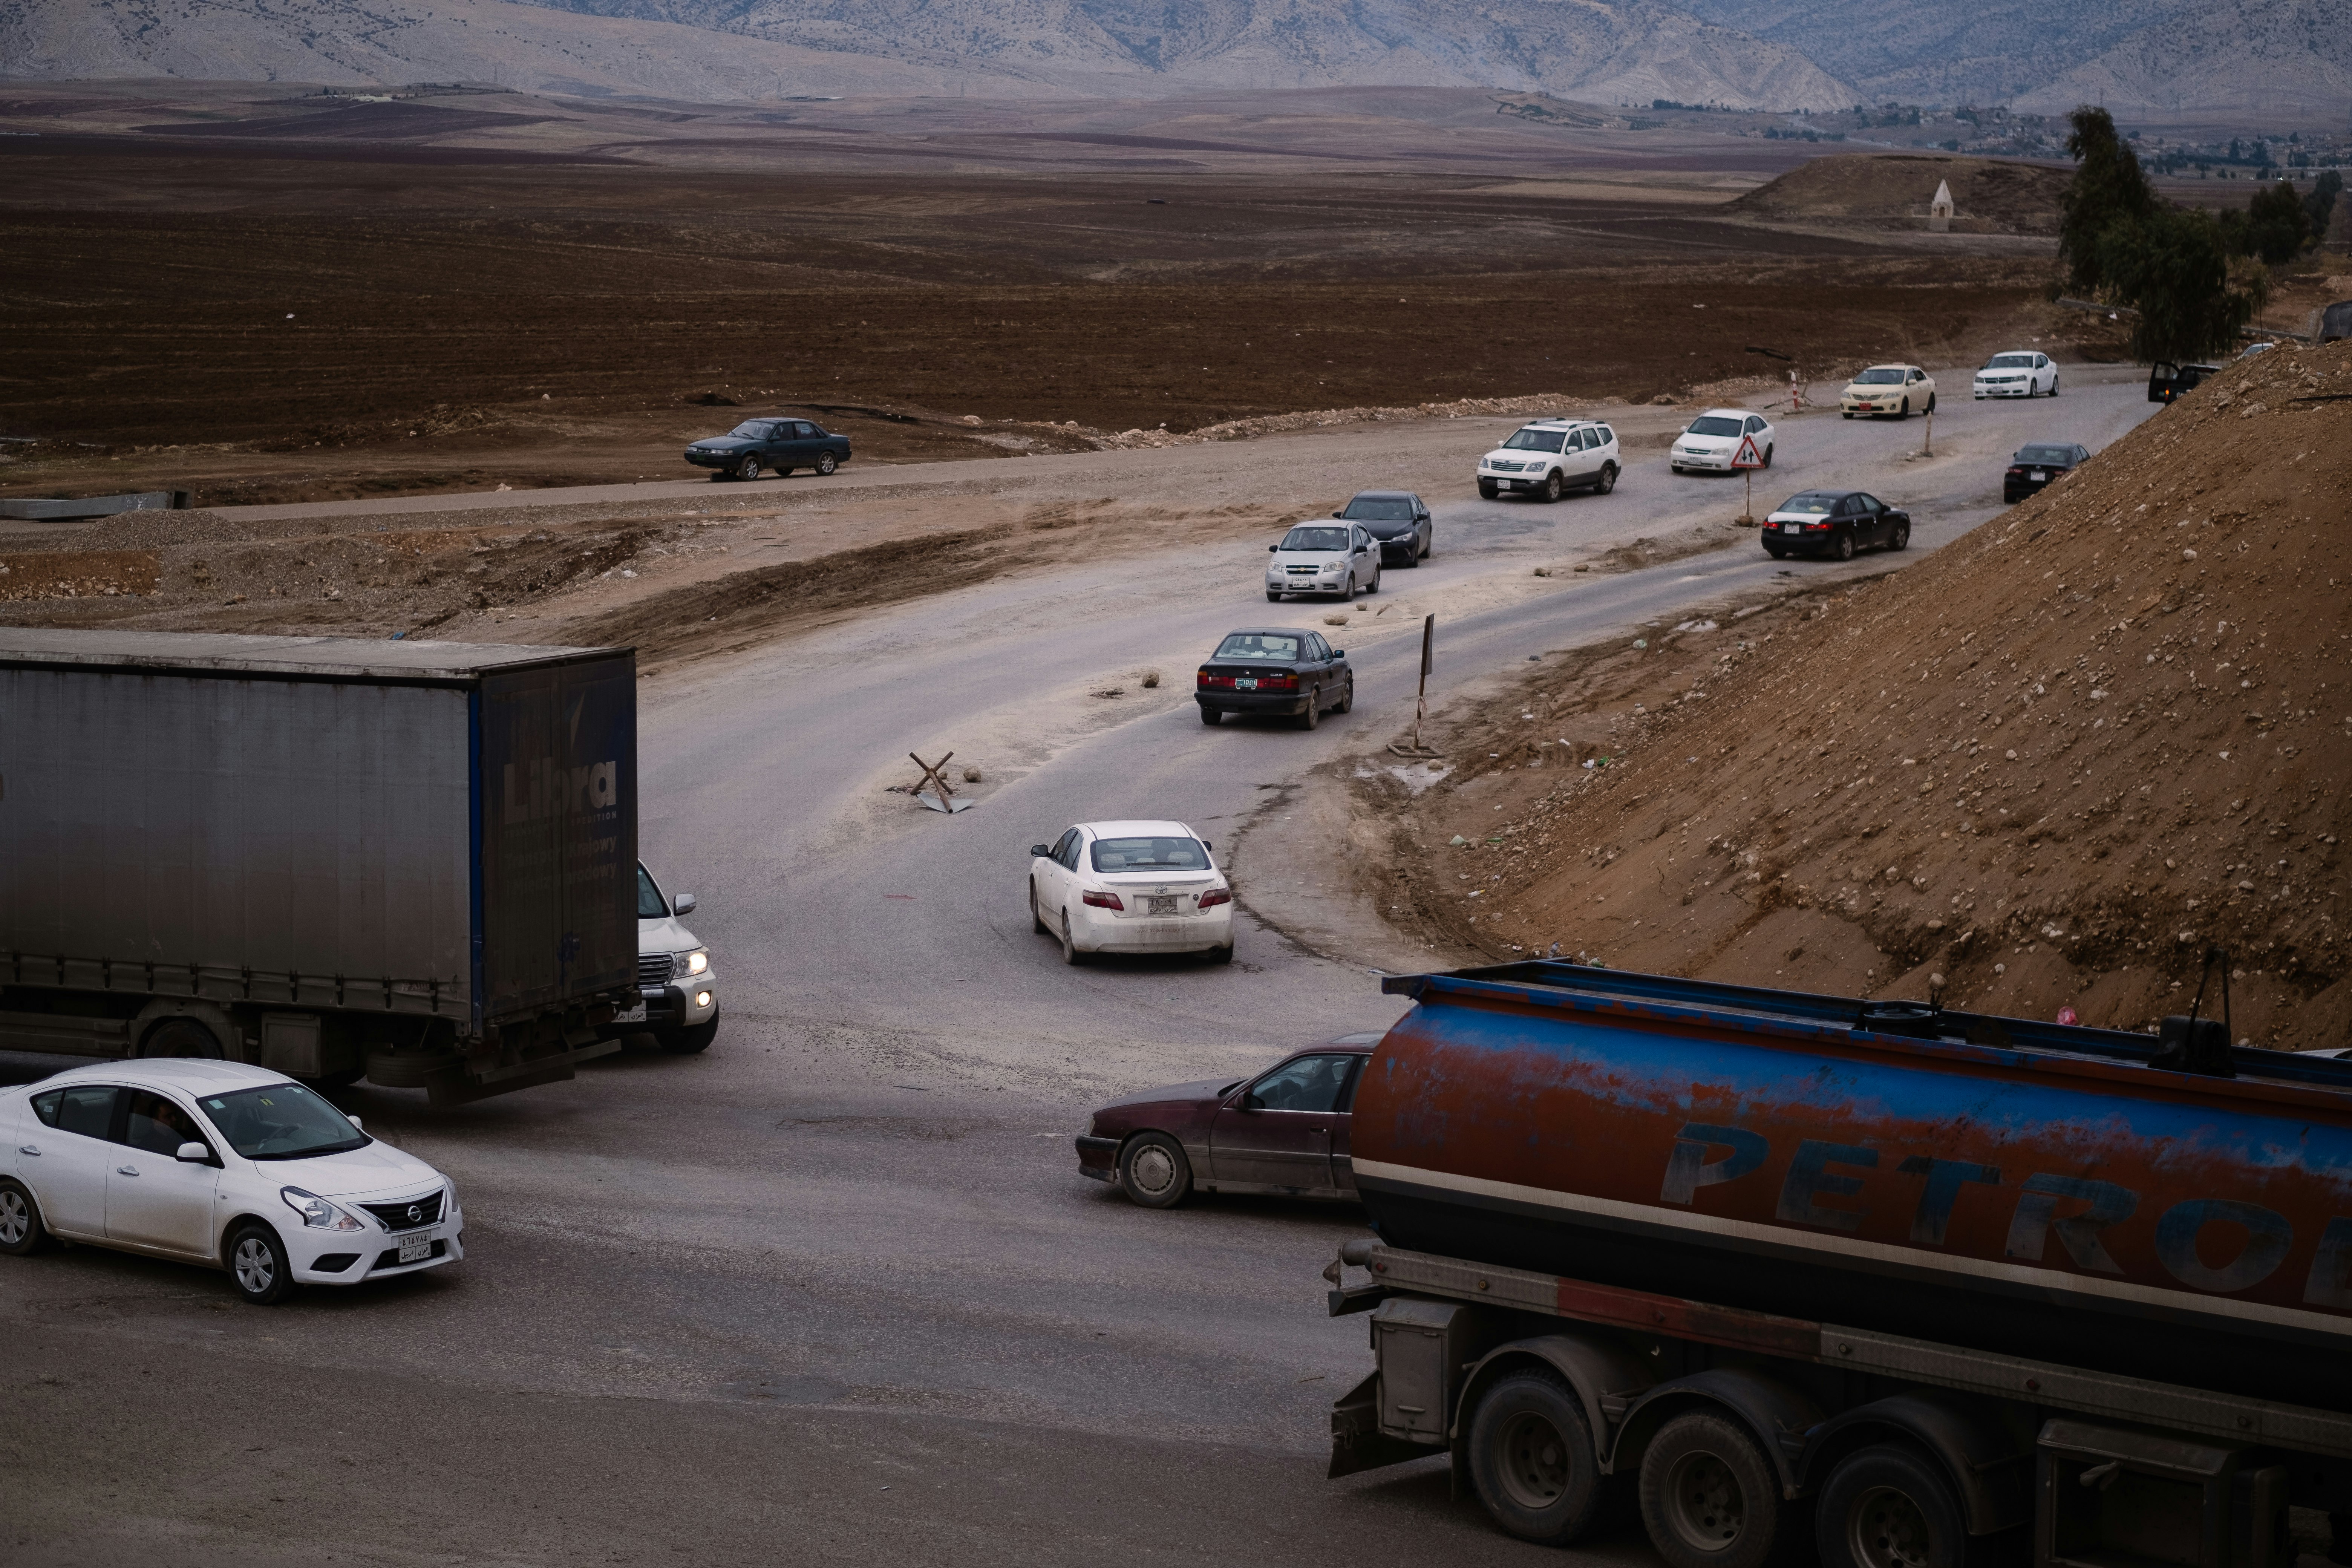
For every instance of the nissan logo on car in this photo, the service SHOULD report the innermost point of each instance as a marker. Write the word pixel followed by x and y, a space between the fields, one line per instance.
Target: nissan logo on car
pixel 415 1214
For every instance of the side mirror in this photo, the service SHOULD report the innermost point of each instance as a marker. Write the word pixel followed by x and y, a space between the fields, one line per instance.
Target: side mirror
pixel 193 1153
pixel 1339 515
pixel 1338 653
pixel 1251 1102
pixel 1040 851
pixel 686 903
pixel 355 1123
pixel 1206 845
pixel 1272 548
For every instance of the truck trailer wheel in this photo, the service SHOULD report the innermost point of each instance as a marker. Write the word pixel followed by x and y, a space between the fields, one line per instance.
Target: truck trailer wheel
pixel 1890 1507
pixel 1153 1172
pixel 180 1037
pixel 691 1040
pixel 1531 1456
pixel 1709 1499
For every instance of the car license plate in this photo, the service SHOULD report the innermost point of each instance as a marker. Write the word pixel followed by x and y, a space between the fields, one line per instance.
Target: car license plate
pixel 1792 528
pixel 1245 683
pixel 2038 474
pixel 416 1248
pixel 636 1014
pixel 1156 906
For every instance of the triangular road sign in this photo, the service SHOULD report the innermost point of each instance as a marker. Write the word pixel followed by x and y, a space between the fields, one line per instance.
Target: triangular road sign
pixel 1748 457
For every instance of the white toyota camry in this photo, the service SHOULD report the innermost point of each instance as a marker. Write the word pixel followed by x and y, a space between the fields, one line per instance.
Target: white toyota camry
pixel 1131 887
pixel 1712 440
pixel 222 1165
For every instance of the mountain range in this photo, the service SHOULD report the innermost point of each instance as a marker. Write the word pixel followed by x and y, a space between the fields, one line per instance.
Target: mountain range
pixel 2161 57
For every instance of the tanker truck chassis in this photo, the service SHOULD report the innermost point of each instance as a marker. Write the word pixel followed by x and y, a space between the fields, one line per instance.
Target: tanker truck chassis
pixel 1740 1436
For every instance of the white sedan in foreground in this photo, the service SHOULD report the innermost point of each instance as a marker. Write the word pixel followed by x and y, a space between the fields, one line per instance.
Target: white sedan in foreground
pixel 1131 887
pixel 217 1164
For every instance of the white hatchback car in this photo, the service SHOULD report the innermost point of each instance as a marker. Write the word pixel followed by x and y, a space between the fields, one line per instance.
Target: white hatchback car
pixel 2019 373
pixel 221 1164
pixel 1131 887
pixel 1712 440
pixel 1549 457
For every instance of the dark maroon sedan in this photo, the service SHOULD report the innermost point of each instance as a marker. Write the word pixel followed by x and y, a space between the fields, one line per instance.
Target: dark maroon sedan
pixel 1283 1132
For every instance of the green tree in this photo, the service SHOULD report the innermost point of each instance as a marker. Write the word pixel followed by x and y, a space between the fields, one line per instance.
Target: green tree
pixel 2276 224
pixel 2320 206
pixel 2109 187
pixel 2172 265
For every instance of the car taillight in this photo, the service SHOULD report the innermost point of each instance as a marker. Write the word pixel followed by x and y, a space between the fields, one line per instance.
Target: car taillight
pixel 1101 901
pixel 1214 897
pixel 2017 470
pixel 1215 682
pixel 1278 683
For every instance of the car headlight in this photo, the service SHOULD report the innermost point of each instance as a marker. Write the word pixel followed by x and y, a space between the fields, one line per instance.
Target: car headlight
pixel 317 1211
pixel 694 963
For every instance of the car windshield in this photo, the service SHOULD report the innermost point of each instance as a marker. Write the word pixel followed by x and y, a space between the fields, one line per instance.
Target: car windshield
pixel 1885 375
pixel 650 905
pixel 1276 647
pixel 2044 455
pixel 2011 362
pixel 1811 506
pixel 752 430
pixel 1149 855
pixel 1378 508
pixel 1714 427
pixel 281 1121
pixel 1534 440
pixel 1315 539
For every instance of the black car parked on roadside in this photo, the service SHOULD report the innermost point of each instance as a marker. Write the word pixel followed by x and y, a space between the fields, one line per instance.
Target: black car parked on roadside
pixel 1275 671
pixel 1834 523
pixel 770 446
pixel 2042 464
pixel 1399 520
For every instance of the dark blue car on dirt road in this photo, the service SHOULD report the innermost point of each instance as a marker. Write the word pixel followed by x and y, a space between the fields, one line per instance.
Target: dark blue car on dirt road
pixel 776 446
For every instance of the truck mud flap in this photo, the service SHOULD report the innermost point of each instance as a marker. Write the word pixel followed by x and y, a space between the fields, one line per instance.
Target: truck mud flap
pixel 1357 1441
pixel 458 1087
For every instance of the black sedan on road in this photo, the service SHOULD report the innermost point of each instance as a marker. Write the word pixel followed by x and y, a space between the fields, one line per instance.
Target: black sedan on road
pixel 1399 520
pixel 1834 523
pixel 1277 670
pixel 776 446
pixel 2042 464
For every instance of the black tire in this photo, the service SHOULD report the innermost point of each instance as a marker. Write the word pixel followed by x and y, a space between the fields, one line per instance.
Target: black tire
pixel 22 1233
pixel 690 1041
pixel 1531 1456
pixel 181 1037
pixel 1347 698
pixel 1931 403
pixel 1776 553
pixel 826 462
pixel 1767 456
pixel 1210 716
pixel 257 1265
pixel 2054 386
pixel 1037 926
pixel 1900 538
pixel 1890 1507
pixel 1607 481
pixel 1709 1498
pixel 1070 953
pixel 341 1077
pixel 1906 410
pixel 1848 414
pixel 1313 715
pixel 1553 488
pixel 1272 597
pixel 1842 546
pixel 1487 491
pixel 1222 954
pixel 747 470
pixel 1165 1176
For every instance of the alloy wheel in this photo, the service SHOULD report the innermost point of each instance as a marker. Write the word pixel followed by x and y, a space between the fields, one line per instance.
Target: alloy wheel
pixel 256 1270
pixel 826 462
pixel 1154 1172
pixel 16 1219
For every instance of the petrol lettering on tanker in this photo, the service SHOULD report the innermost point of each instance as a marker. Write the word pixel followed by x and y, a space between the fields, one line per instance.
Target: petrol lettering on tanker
pixel 1823 1188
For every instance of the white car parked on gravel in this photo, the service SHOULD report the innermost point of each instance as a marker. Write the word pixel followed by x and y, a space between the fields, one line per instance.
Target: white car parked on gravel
pixel 1712 440
pixel 1549 457
pixel 1335 558
pixel 2018 372
pixel 1131 887
pixel 220 1165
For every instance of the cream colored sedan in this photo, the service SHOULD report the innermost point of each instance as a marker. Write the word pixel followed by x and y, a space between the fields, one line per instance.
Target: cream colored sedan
pixel 1900 390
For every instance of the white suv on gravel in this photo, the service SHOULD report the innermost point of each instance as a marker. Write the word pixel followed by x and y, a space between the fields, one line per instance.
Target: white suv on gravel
pixel 1549 457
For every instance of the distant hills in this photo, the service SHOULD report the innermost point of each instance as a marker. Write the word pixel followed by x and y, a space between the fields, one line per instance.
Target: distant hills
pixel 2159 57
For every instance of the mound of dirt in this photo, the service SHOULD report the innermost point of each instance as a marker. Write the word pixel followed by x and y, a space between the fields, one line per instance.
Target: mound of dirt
pixel 1892 190
pixel 2051 764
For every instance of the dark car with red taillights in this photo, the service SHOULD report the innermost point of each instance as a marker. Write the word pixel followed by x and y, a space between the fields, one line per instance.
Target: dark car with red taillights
pixel 1282 1131
pixel 1282 670
pixel 1834 523
pixel 2042 464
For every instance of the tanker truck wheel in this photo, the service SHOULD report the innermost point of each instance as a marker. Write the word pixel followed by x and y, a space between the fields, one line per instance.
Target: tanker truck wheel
pixel 1709 1498
pixel 1153 1172
pixel 1890 1507
pixel 1531 1457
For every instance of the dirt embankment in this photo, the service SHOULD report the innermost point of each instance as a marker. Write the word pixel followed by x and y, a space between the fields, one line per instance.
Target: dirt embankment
pixel 2051 764
pixel 1891 191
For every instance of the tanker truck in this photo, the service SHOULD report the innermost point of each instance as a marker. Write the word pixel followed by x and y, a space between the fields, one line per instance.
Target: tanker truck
pixel 1895 1284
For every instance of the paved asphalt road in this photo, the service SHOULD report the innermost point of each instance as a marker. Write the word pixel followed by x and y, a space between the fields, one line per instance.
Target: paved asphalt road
pixel 833 1292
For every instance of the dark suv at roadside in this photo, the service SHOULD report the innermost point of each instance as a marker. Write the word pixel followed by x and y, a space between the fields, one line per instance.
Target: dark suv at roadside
pixel 770 446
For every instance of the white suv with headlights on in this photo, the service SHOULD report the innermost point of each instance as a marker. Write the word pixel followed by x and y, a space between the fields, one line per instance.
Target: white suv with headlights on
pixel 220 1165
pixel 679 993
pixel 1549 457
